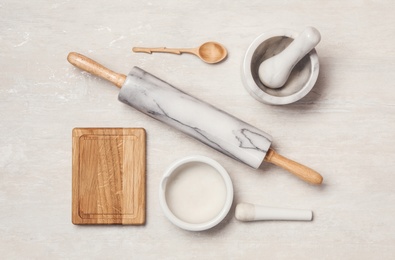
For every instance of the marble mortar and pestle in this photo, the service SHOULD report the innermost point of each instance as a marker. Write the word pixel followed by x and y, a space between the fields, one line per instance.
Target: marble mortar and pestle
pixel 281 66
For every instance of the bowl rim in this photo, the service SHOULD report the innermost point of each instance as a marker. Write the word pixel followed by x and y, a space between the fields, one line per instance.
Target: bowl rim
pixel 193 226
pixel 260 95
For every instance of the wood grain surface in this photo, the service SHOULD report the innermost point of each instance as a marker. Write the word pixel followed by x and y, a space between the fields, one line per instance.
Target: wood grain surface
pixel 108 176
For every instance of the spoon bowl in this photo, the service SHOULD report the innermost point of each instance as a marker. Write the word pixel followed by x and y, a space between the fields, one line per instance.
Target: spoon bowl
pixel 212 52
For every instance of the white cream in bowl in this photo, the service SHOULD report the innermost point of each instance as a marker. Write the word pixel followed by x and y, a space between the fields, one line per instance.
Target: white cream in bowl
pixel 196 193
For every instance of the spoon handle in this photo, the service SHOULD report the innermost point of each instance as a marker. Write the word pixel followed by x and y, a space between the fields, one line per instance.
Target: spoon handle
pixel 162 49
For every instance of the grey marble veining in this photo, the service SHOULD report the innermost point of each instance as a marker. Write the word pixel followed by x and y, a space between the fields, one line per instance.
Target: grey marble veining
pixel 208 124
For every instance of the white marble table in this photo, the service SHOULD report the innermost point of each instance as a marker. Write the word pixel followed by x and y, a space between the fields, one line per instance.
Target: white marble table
pixel 345 128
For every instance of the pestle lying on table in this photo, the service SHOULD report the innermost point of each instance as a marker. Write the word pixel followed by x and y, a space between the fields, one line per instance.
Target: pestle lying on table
pixel 251 212
pixel 274 72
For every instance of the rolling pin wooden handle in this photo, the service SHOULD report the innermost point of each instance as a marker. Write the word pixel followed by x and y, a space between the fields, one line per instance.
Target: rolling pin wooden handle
pixel 91 66
pixel 303 172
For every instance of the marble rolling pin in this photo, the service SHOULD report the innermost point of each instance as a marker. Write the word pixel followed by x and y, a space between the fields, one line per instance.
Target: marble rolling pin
pixel 216 128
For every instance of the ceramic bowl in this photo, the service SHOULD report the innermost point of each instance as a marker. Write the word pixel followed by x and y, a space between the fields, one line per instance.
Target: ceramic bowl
pixel 301 80
pixel 173 176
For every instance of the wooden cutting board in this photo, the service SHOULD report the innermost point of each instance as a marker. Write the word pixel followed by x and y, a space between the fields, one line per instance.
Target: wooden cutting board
pixel 109 181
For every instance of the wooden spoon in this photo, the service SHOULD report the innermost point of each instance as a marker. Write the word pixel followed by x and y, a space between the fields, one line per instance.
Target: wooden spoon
pixel 210 52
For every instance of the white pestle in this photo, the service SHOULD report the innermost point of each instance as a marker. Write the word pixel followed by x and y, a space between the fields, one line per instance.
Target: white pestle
pixel 251 212
pixel 274 72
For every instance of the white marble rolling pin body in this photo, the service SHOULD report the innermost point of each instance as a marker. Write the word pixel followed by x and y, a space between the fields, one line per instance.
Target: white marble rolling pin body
pixel 208 124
